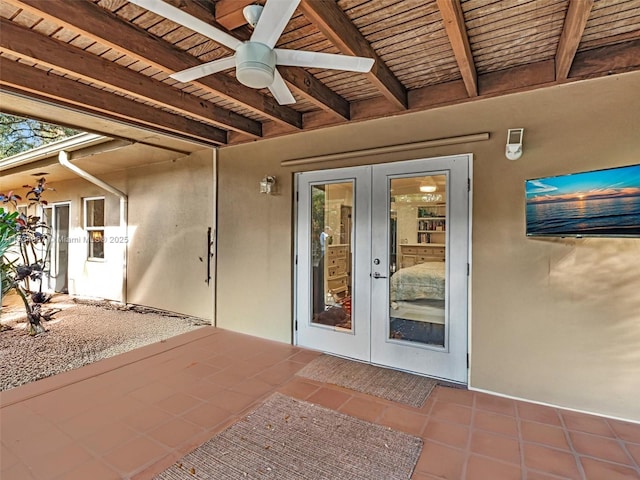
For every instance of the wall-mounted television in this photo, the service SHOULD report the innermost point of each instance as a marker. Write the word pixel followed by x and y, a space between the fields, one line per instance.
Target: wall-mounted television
pixel 604 203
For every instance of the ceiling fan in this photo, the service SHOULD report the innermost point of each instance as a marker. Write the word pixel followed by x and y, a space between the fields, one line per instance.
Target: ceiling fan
pixel 255 60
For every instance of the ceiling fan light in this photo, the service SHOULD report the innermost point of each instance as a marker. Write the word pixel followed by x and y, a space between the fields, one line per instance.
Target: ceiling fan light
pixel 255 75
pixel 252 14
pixel 255 64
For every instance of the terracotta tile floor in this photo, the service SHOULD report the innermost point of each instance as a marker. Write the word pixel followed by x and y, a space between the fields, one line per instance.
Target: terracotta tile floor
pixel 133 415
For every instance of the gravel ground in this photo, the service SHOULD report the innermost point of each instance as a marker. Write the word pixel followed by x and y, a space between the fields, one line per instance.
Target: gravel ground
pixel 82 334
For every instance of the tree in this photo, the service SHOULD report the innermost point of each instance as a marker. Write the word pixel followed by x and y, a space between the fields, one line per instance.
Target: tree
pixel 18 134
pixel 318 201
pixel 24 251
pixel 8 237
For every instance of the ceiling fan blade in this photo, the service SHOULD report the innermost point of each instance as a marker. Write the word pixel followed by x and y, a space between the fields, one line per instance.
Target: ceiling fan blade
pixel 205 69
pixel 301 58
pixel 280 91
pixel 274 17
pixel 176 15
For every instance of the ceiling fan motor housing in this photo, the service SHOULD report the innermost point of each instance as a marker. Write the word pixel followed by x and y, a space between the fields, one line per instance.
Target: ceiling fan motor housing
pixel 255 63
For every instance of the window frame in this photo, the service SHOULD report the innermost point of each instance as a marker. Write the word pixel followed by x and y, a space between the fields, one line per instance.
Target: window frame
pixel 89 229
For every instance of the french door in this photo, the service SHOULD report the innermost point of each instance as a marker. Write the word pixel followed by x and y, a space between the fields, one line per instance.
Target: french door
pixel 382 264
pixel 57 276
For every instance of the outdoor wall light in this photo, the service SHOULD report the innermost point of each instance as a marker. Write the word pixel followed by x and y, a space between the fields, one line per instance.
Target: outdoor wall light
pixel 513 150
pixel 268 184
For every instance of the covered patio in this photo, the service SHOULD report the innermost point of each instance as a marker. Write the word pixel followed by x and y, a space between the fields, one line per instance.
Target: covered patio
pixel 134 415
pixel 449 78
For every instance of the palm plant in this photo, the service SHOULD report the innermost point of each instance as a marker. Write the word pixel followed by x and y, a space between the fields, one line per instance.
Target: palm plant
pixel 8 236
pixel 24 250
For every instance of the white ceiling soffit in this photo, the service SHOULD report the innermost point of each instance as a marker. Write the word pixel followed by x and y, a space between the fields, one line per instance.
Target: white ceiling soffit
pixel 82 140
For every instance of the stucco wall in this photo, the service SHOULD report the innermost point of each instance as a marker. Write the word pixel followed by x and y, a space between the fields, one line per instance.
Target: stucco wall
pixel 555 321
pixel 170 209
pixel 90 278
pixel 254 289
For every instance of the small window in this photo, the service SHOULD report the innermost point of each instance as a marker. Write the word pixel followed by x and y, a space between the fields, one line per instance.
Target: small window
pixel 94 224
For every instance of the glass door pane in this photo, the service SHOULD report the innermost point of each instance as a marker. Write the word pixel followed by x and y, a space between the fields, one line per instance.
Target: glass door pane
pixel 417 244
pixel 331 254
pixel 419 252
pixel 49 264
pixel 61 248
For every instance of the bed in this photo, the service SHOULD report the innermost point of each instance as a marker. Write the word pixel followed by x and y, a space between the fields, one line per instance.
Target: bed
pixel 424 281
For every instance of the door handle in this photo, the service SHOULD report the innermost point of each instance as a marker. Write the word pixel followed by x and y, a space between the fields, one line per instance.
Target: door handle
pixel 377 275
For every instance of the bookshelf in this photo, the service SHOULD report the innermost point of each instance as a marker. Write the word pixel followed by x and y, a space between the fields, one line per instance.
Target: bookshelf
pixel 430 236
pixel 432 224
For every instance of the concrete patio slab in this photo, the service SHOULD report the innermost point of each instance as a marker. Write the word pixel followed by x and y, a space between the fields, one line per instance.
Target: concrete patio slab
pixel 133 415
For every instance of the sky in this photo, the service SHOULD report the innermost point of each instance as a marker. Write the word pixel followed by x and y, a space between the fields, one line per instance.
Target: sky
pixel 615 182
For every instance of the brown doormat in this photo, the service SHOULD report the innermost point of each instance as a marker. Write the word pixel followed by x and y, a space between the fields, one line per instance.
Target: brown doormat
pixel 288 439
pixel 389 384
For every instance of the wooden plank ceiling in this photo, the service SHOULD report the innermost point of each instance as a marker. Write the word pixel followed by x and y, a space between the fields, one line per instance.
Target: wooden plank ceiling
pixel 113 58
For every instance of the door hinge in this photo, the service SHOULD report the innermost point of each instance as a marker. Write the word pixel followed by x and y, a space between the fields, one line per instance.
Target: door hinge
pixel 295 327
pixel 296 260
pixel 467 360
pixel 468 269
pixel 468 184
pixel 297 196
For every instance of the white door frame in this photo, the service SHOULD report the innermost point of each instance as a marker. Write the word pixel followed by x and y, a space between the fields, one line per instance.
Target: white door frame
pixel 322 337
pixel 54 257
pixel 302 296
pixel 450 360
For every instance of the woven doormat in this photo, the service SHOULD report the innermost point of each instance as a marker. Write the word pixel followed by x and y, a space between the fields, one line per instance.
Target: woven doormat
pixel 288 439
pixel 389 384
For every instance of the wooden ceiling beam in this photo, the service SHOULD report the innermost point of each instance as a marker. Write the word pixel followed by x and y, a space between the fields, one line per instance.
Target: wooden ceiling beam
pixel 302 82
pixel 603 61
pixel 206 10
pixel 36 83
pixel 329 18
pixel 619 58
pixel 574 24
pixel 91 20
pixel 454 25
pixel 309 87
pixel 63 57
pixel 229 13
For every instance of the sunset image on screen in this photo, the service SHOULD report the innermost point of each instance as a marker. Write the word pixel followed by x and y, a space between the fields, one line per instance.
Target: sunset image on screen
pixel 603 202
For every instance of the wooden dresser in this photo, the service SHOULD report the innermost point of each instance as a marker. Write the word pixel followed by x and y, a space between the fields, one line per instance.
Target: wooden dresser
pixel 412 254
pixel 336 265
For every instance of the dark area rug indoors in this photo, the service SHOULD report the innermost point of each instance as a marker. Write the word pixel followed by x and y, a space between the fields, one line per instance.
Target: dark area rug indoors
pixel 380 382
pixel 289 439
